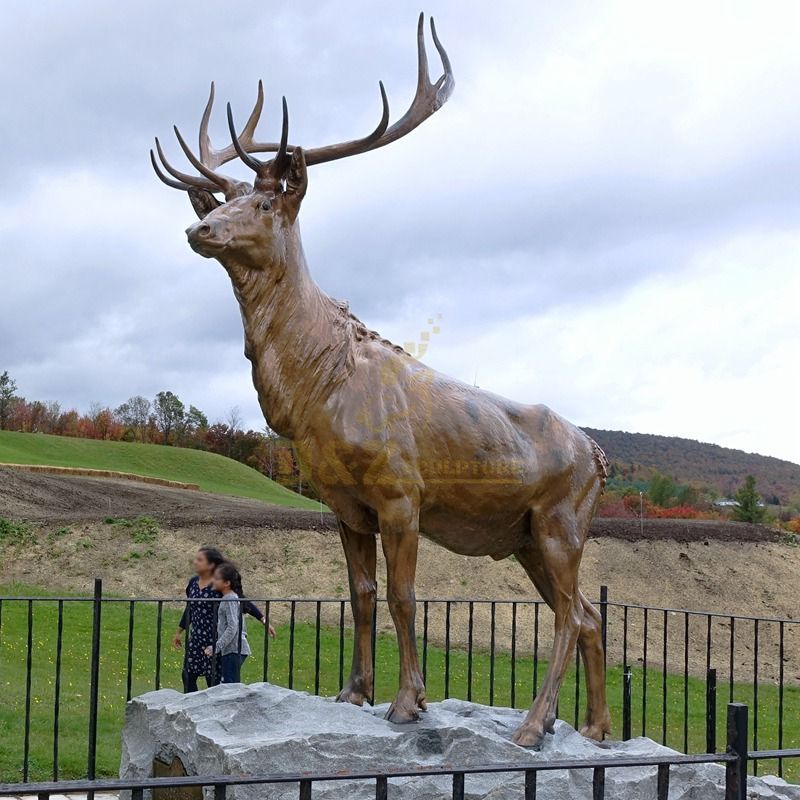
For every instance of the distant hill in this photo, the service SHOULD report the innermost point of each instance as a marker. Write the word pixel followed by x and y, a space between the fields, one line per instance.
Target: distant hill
pixel 689 461
pixel 211 472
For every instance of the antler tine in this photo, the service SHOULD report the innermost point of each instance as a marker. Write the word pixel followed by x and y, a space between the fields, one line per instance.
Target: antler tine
pixel 215 158
pixel 319 155
pixel 187 180
pixel 204 140
pixel 280 163
pixel 169 181
pixel 221 181
pixel 257 166
pixel 428 99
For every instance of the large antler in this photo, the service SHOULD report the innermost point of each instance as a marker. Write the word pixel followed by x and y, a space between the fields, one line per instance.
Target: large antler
pixel 428 99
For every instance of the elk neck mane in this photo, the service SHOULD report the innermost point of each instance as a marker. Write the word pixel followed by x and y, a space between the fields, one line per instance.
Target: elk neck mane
pixel 302 342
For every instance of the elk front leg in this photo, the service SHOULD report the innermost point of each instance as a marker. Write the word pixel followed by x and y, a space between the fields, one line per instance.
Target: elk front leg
pixel 400 543
pixel 359 551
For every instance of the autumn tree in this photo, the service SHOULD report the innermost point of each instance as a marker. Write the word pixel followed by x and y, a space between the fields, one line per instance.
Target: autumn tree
pixel 134 414
pixel 8 397
pixel 170 414
pixel 750 508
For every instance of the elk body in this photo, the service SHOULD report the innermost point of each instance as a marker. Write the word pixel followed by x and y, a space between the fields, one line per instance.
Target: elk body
pixel 393 447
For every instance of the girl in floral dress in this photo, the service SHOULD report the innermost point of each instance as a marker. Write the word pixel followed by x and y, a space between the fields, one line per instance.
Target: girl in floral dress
pixel 199 619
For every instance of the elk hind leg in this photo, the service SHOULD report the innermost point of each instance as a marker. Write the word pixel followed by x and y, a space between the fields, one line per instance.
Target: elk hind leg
pixel 590 641
pixel 552 562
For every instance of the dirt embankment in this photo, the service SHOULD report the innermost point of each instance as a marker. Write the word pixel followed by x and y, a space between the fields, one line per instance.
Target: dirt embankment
pixel 59 499
pixel 739 569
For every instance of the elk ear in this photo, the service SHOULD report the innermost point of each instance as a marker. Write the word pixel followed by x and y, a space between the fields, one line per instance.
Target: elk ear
pixel 296 180
pixel 203 202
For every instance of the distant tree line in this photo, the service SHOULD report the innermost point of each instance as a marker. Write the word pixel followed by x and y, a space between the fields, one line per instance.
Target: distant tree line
pixel 164 420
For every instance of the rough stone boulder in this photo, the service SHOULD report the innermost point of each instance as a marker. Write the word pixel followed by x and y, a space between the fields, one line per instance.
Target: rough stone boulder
pixel 261 728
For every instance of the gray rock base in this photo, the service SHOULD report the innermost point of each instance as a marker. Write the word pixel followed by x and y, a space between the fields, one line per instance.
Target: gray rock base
pixel 262 728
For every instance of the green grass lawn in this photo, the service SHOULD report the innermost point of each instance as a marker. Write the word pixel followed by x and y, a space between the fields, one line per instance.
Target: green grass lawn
pixel 74 684
pixel 211 472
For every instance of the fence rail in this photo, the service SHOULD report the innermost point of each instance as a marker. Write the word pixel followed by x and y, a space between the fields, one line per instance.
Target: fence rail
pixel 69 664
pixel 735 759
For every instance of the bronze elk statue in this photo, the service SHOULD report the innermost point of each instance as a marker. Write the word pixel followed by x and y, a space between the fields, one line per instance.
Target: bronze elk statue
pixel 393 447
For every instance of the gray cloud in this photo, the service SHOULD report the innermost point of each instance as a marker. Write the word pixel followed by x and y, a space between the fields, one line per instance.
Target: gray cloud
pixel 587 152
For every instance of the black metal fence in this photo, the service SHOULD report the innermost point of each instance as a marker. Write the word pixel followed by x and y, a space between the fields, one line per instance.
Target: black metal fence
pixel 69 664
pixel 735 759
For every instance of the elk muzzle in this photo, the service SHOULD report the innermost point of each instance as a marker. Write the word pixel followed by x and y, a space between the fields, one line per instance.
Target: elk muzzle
pixel 206 237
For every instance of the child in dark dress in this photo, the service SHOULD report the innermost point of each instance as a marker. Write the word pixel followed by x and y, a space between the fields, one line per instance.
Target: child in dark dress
pixel 199 619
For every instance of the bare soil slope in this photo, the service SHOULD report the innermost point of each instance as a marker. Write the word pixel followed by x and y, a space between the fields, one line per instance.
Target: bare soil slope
pixel 730 567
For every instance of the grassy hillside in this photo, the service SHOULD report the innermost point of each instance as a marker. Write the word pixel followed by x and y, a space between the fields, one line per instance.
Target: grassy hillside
pixel 213 473
pixel 690 461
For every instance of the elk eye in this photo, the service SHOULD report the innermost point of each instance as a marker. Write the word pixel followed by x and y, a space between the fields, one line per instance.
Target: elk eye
pixel 266 205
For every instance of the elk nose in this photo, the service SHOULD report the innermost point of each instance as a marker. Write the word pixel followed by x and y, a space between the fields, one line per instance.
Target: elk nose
pixel 199 231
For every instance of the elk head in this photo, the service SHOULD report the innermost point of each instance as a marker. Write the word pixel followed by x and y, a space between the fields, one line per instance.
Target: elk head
pixel 249 229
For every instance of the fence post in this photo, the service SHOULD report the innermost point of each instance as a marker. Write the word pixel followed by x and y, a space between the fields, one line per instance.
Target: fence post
pixel 604 619
pixel 711 711
pixel 94 689
pixel 736 771
pixel 627 681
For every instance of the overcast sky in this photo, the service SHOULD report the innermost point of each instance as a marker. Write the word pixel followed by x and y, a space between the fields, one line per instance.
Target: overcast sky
pixel 606 214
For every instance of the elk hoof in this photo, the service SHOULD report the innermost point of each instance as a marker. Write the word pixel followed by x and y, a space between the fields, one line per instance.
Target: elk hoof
pixel 529 735
pixel 596 730
pixel 353 694
pixel 406 707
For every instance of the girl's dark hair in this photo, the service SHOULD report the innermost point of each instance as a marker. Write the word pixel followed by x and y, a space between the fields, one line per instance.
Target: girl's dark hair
pixel 213 556
pixel 230 574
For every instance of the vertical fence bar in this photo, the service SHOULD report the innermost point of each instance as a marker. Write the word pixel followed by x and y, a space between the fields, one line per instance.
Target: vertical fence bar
pixel 305 790
pixel 644 673
pixel 599 783
pixel 374 643
pixel 220 791
pixel 381 788
pixel 447 650
pixel 265 663
pixel 341 645
pixel 708 642
pixel 292 614
pixel 664 655
pixel 470 629
pixel 513 654
pixel 129 655
pixel 491 654
pixel 530 784
pixel 662 782
pixel 535 649
pixel 780 695
pixel 458 786
pixel 425 641
pixel 604 619
pixel 731 659
pixel 94 687
pixel 159 624
pixel 577 709
pixel 755 693
pixel 26 745
pixel 317 634
pixel 215 661
pixel 625 636
pixel 627 680
pixel 711 711
pixel 736 771
pixel 686 682
pixel 57 686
